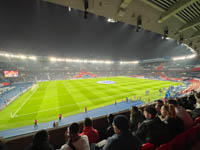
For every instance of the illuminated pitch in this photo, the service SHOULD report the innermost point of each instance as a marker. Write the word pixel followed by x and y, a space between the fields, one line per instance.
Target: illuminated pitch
pixel 46 100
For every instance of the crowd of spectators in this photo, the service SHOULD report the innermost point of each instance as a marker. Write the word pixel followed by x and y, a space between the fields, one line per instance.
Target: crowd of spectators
pixel 45 70
pixel 155 123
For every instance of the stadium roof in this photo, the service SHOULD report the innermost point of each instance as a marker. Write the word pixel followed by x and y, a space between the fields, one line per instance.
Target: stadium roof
pixel 41 28
pixel 180 17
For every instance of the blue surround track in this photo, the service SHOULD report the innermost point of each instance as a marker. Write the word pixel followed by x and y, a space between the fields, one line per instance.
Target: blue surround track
pixel 74 118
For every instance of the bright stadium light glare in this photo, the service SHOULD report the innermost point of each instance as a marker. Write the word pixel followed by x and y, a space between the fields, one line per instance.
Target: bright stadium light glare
pixel 111 20
pixel 23 57
pixel 7 55
pixel 60 59
pixel 100 61
pixel 16 56
pixel 191 56
pixel 168 38
pixel 53 59
pixel 77 60
pixel 85 61
pixel 179 58
pixel 69 8
pixel 185 57
pixel 108 62
pixel 32 57
pixel 12 56
pixel 67 60
pixel 128 62
pixel 135 62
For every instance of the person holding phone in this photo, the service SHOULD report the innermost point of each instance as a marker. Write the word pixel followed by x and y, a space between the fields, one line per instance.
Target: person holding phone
pixel 73 139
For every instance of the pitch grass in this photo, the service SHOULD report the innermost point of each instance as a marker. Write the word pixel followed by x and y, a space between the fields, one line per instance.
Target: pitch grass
pixel 45 100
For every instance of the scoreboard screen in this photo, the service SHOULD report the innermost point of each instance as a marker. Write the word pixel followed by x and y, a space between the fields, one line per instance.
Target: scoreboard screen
pixel 11 73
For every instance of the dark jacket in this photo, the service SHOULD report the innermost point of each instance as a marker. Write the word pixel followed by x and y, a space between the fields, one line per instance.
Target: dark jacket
pixel 42 146
pixel 153 131
pixel 110 131
pixel 123 141
pixel 175 126
pixel 135 119
pixel 195 113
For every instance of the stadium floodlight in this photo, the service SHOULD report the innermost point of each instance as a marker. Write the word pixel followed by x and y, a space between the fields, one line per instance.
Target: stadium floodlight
pixel 69 8
pixel 32 57
pixel 1 54
pixel 191 56
pixel 110 20
pixel 60 59
pixel 92 61
pixel 179 58
pixel 79 60
pixel 108 62
pixel 7 55
pixel 67 60
pixel 185 57
pixel 100 61
pixel 23 57
pixel 16 56
pixel 53 59
pixel 129 62
pixel 134 62
pixel 12 56
pixel 85 61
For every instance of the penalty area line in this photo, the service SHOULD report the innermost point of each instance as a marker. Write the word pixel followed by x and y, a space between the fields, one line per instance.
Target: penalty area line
pixel 15 114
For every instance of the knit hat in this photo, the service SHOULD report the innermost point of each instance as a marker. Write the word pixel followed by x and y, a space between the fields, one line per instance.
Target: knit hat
pixel 121 122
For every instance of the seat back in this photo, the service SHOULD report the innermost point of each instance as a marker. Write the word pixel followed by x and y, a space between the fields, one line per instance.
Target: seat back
pixel 197 120
pixel 148 146
pixel 179 141
pixel 166 146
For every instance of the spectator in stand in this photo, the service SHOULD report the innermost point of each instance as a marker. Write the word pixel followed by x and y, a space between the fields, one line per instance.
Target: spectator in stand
pixel 123 138
pixel 196 112
pixel 135 118
pixel 110 130
pixel 174 123
pixel 2 143
pixel 92 134
pixel 159 104
pixel 152 130
pixel 74 140
pixel 182 114
pixel 40 141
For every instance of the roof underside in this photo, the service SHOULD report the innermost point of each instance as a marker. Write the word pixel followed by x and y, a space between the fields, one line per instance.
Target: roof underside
pixel 181 17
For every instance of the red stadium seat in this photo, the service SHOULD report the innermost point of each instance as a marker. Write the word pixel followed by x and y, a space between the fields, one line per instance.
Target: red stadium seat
pixel 148 146
pixel 197 120
pixel 166 146
pixel 178 143
pixel 192 133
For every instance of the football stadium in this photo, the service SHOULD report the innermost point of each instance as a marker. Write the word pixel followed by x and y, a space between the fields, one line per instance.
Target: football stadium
pixel 100 75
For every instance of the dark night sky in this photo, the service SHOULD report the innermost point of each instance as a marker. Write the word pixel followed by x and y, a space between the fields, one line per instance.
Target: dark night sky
pixel 39 28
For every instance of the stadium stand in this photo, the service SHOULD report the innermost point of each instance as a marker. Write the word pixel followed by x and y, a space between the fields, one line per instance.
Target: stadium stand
pixel 182 19
pixel 9 93
pixel 182 141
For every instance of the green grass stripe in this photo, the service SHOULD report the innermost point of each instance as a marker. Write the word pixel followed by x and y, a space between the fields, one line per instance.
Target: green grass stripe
pixel 45 100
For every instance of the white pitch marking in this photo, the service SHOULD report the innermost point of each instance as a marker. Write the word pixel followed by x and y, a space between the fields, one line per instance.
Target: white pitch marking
pixel 14 115
pixel 68 105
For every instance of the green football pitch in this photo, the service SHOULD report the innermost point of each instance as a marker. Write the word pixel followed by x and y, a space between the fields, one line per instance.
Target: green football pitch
pixel 44 101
